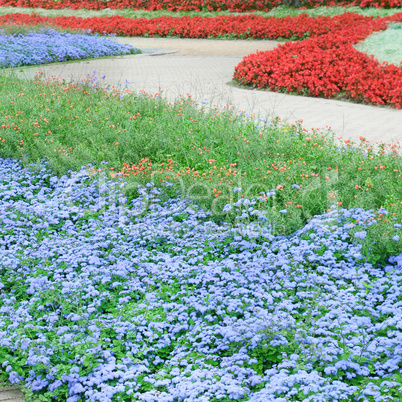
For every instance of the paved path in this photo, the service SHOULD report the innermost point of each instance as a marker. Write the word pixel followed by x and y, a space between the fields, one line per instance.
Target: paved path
pixel 204 67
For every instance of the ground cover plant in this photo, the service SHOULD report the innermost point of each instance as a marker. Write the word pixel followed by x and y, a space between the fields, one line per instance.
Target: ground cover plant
pixel 49 46
pixel 385 45
pixel 193 5
pixel 149 300
pixel 13 29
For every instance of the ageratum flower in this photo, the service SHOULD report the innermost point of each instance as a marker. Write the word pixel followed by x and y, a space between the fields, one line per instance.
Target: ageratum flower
pixel 361 235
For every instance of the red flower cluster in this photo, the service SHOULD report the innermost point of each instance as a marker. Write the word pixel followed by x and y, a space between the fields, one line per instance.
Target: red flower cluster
pixel 171 5
pixel 327 66
pixel 241 26
pixel 191 5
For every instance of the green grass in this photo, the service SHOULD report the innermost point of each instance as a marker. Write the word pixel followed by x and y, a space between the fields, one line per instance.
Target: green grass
pixel 385 45
pixel 12 29
pixel 206 153
pixel 128 13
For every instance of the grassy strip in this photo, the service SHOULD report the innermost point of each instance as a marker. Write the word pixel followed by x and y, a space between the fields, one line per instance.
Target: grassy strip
pixel 13 29
pixel 128 13
pixel 385 45
pixel 215 157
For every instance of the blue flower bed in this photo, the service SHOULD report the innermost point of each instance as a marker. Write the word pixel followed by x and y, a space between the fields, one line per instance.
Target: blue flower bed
pixel 102 301
pixel 49 46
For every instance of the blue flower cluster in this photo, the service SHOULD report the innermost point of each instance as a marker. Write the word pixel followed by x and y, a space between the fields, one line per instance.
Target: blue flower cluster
pixel 49 46
pixel 102 300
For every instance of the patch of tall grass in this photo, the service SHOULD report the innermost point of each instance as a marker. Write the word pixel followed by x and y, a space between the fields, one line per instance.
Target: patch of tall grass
pixel 385 45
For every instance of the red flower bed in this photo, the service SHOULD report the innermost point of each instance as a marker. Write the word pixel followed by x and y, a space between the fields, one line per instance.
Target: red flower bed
pixel 357 3
pixel 243 26
pixel 327 66
pixel 191 5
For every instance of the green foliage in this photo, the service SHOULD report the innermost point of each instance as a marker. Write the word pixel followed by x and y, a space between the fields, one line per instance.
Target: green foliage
pixel 383 238
pixel 12 29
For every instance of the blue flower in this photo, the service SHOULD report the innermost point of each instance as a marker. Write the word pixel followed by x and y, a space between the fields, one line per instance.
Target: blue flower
pixel 227 208
pixel 48 46
pixel 361 235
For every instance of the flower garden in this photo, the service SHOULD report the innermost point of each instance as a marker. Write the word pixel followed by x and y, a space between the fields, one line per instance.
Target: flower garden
pixel 162 251
pixel 324 64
